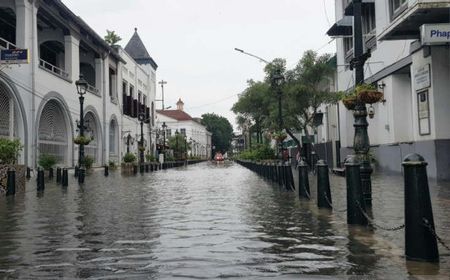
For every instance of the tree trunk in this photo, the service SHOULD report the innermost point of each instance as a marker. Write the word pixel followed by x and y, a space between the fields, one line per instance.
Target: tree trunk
pixel 297 142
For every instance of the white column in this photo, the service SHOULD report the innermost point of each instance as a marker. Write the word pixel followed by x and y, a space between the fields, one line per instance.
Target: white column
pixel 24 29
pixel 72 57
pixel 99 75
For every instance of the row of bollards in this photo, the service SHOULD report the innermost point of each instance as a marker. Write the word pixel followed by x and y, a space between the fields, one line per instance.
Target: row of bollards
pixel 420 236
pixel 280 173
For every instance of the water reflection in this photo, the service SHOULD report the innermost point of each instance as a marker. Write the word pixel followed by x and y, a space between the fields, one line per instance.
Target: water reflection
pixel 204 221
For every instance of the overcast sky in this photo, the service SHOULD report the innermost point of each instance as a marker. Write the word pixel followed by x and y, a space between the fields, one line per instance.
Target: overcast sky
pixel 193 41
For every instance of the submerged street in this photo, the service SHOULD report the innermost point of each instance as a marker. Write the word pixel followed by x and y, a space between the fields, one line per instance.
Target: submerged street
pixel 204 221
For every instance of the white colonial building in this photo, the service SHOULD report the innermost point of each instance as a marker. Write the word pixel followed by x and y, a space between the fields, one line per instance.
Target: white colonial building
pixel 198 137
pixel 38 100
pixel 410 63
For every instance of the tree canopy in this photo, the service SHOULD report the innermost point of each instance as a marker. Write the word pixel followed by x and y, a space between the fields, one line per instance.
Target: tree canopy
pixel 111 38
pixel 221 129
pixel 304 89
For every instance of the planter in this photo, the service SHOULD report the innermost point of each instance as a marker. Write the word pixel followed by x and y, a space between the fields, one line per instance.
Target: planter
pixel 127 167
pixel 82 140
pixel 20 177
pixel 370 96
pixel 349 102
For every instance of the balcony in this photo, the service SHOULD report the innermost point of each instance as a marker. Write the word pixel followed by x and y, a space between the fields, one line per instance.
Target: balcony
pixel 6 45
pixel 406 25
pixel 44 65
pixel 92 89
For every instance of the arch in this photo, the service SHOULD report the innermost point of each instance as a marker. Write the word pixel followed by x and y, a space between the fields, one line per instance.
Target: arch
pixel 92 120
pixel 65 118
pixel 20 125
pixel 52 52
pixel 114 139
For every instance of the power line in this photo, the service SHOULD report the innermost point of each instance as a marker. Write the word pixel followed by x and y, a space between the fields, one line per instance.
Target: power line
pixel 215 102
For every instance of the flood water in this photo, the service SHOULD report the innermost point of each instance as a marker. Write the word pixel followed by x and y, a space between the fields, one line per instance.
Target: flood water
pixel 204 221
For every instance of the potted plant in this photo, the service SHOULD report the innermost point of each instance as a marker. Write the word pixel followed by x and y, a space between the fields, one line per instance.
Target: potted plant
pixel 47 161
pixel 365 93
pixel 9 154
pixel 87 162
pixel 129 160
pixel 279 136
pixel 112 165
pixel 82 140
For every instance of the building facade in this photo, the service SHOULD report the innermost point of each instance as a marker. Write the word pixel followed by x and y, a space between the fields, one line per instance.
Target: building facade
pixel 410 64
pixel 198 137
pixel 39 101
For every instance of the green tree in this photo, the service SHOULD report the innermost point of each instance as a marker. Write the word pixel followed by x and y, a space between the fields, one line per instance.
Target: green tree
pixel 177 144
pixel 221 129
pixel 112 38
pixel 9 150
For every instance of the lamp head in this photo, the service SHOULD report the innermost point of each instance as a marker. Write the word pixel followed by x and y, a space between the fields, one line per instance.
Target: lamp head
pixel 277 78
pixel 141 117
pixel 164 126
pixel 371 112
pixel 82 85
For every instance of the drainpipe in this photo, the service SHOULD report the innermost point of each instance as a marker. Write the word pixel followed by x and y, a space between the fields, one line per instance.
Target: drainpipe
pixel 105 77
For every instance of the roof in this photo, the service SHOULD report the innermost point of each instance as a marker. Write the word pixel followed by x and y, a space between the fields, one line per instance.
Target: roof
pixel 136 49
pixel 175 114
pixel 77 20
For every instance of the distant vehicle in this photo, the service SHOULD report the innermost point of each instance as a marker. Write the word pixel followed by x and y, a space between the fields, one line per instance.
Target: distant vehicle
pixel 218 157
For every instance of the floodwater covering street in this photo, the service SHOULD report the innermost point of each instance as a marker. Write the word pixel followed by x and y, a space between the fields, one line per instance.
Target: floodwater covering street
pixel 204 221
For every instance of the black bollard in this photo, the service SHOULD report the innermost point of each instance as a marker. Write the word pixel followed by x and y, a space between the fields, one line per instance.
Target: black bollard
pixel 40 181
pixel 50 173
pixel 290 177
pixel 81 175
pixel 141 168
pixel 28 173
pixel 303 181
pixel 58 175
pixel 355 196
pixel 147 167
pixel 134 169
pixel 420 242
pixel 65 177
pixel 106 171
pixel 11 183
pixel 77 169
pixel 323 185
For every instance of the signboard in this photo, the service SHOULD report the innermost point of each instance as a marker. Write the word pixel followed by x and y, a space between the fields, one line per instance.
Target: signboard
pixel 423 107
pixel 435 34
pixel 422 77
pixel 16 56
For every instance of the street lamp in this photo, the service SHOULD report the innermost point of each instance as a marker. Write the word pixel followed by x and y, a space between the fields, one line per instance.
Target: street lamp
pixel 164 126
pixel 82 86
pixel 185 147
pixel 277 81
pixel 176 144
pixel 141 118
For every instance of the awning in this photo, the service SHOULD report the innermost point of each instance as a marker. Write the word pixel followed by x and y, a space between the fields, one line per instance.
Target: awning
pixel 349 9
pixel 343 27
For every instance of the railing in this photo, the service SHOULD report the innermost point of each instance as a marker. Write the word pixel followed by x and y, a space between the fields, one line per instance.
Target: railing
pixel 53 69
pixel 93 90
pixel 6 44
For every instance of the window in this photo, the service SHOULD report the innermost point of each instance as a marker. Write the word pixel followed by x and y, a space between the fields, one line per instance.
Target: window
pixel 168 133
pixel 132 91
pixel 139 96
pixel 369 26
pixel 125 88
pixel 348 45
pixel 397 7
pixel 112 84
pixel 144 99
pixel 183 131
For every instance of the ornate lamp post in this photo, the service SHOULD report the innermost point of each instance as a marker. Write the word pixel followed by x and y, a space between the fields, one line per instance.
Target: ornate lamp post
pixel 82 86
pixel 164 126
pixel 176 144
pixel 185 147
pixel 277 81
pixel 141 118
pixel 361 143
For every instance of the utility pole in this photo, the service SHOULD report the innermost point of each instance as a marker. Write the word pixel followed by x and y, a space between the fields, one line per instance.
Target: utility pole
pixel 162 83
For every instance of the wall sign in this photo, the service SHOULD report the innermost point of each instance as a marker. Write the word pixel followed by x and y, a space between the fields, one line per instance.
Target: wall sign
pixel 422 77
pixel 16 56
pixel 423 107
pixel 435 34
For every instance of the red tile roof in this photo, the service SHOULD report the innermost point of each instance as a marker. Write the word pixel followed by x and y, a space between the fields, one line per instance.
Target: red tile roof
pixel 175 114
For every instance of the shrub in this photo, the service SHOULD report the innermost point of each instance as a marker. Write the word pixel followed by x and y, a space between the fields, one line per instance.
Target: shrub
pixel 129 158
pixel 88 161
pixel 9 150
pixel 112 164
pixel 47 161
pixel 149 157
pixel 259 152
pixel 168 157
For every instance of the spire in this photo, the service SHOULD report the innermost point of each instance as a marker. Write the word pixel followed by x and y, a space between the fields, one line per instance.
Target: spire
pixel 136 49
pixel 180 105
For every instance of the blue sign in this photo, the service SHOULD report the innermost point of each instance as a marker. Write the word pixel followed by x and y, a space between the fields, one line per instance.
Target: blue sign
pixel 15 56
